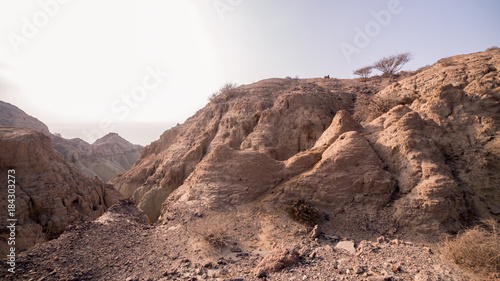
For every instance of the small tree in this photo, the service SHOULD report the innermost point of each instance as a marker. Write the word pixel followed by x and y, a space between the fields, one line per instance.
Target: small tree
pixel 392 64
pixel 364 72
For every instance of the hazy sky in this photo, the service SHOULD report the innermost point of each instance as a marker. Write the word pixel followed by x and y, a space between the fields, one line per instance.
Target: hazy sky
pixel 118 62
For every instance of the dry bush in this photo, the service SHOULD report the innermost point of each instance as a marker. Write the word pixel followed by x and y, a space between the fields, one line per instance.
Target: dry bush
pixel 364 72
pixel 213 96
pixel 392 64
pixel 492 48
pixel 369 107
pixel 477 248
pixel 214 232
pixel 303 212
pixel 228 90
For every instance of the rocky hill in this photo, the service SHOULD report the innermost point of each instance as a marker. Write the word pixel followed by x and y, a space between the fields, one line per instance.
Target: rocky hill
pixel 303 179
pixel 105 158
pixel 425 165
pixel 11 116
pixel 49 193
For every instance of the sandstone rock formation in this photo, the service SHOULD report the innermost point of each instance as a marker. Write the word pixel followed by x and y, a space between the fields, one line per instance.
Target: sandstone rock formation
pixel 428 165
pixel 105 158
pixel 272 120
pixel 50 194
pixel 443 148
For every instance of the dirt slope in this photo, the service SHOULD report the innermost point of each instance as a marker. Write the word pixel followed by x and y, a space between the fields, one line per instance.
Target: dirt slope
pixel 120 246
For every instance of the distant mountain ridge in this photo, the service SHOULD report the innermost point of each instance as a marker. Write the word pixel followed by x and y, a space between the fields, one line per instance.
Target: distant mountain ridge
pixel 105 158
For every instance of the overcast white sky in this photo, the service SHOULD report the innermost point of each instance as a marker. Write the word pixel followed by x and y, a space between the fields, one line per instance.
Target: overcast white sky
pixel 78 63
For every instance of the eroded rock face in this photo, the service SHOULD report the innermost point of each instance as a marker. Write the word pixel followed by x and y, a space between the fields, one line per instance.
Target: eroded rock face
pixel 273 119
pixel 341 173
pixel 50 193
pixel 443 147
pixel 429 165
pixel 426 185
pixel 349 176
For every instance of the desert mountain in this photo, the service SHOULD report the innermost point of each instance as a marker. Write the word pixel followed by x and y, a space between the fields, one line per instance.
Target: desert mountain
pixel 50 194
pixel 11 116
pixel 420 158
pixel 105 158
pixel 328 179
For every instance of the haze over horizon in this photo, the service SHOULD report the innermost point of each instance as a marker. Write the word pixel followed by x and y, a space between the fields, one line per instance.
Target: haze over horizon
pixel 87 68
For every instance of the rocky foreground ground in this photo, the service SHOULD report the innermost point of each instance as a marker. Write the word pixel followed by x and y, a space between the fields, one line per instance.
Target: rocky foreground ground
pixel 122 246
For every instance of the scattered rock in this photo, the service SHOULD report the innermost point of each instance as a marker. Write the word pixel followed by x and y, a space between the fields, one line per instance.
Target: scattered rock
pixel 347 246
pixel 494 210
pixel 280 257
pixel 261 273
pixel 315 232
pixel 359 270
